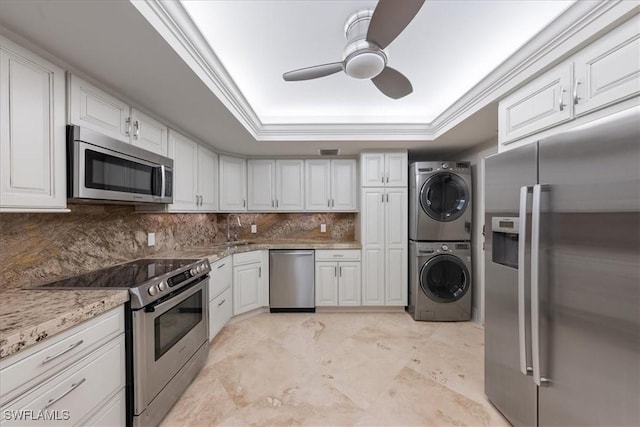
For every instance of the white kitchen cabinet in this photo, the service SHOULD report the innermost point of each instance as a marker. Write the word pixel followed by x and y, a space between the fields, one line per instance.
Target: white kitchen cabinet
pixel 81 370
pixel 331 185
pixel 261 182
pixel 195 174
pixel 289 185
pixel 220 295
pixel 95 109
pixel 608 70
pixel 338 278
pixel 249 278
pixel 233 184
pixel 32 132
pixel 384 246
pixel 275 185
pixel 384 169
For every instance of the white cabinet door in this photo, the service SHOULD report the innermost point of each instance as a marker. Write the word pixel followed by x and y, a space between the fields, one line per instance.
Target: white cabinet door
pixel 184 153
pixel 343 185
pixel 290 185
pixel 396 169
pixel 396 256
pixel 233 184
pixel 543 103
pixel 247 282
pixel 318 185
pixel 349 283
pixel 94 109
pixel 220 311
pixel 373 244
pixel 148 133
pixel 326 283
pixel 372 169
pixel 32 131
pixel 261 179
pixel 608 70
pixel 207 179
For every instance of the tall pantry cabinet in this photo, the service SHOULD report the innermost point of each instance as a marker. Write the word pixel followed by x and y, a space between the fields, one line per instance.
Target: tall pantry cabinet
pixel 384 229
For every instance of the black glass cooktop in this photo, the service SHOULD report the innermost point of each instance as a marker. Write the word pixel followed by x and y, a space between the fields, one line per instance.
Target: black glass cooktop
pixel 127 275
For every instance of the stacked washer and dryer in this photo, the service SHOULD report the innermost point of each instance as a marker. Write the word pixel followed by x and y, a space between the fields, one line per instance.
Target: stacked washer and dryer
pixel 440 241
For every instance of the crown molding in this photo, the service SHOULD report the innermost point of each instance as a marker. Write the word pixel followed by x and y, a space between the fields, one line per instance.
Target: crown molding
pixel 576 27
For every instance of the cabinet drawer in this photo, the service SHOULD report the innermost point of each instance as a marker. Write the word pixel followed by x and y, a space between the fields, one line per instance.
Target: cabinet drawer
pixel 221 276
pixel 220 311
pixel 52 355
pixel 247 257
pixel 113 413
pixel 79 390
pixel 338 255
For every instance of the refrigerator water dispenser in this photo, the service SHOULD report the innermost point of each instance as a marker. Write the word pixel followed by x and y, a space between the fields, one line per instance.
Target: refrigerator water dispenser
pixel 505 241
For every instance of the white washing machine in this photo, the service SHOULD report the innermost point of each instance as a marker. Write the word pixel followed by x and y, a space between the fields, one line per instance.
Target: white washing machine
pixel 440 201
pixel 440 281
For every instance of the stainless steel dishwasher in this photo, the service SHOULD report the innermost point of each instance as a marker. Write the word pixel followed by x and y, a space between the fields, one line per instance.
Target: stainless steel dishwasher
pixel 292 280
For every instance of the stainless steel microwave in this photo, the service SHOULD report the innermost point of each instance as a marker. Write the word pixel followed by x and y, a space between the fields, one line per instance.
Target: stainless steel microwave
pixel 100 168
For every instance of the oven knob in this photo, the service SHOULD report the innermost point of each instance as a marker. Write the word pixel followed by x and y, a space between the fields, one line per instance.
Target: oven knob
pixel 162 286
pixel 199 269
pixel 153 290
pixel 445 166
pixel 193 271
pixel 445 247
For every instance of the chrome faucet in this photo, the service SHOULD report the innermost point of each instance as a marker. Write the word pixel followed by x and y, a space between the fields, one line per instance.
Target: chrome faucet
pixel 235 234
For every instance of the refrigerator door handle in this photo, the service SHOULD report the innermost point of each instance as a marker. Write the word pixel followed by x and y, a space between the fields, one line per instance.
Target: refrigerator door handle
pixel 525 365
pixel 535 284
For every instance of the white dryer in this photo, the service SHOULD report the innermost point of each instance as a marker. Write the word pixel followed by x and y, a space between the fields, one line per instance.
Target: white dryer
pixel 440 201
pixel 440 281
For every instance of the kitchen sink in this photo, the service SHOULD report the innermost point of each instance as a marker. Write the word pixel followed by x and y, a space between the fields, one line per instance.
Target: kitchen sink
pixel 234 244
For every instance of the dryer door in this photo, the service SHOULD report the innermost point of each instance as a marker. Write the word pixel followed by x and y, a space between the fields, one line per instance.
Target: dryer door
pixel 444 278
pixel 444 196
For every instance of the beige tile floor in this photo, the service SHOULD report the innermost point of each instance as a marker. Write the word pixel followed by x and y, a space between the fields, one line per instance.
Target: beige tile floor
pixel 330 369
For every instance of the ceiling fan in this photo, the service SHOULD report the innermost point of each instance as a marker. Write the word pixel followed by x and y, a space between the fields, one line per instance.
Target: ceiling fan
pixel 368 33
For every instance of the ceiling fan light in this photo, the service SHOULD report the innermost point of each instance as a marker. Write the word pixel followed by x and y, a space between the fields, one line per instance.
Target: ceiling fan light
pixel 365 65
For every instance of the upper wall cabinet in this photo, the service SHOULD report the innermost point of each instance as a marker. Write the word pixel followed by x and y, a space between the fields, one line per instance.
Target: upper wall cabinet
pixel 602 74
pixel 32 132
pixel 195 171
pixel 384 169
pixel 233 184
pixel 92 108
pixel 275 185
pixel 331 185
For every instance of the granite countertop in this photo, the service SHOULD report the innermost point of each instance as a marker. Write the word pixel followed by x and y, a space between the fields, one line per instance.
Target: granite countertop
pixel 27 316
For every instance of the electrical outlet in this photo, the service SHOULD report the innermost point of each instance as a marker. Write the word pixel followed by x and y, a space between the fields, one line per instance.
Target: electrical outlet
pixel 254 228
pixel 151 239
pixel 323 228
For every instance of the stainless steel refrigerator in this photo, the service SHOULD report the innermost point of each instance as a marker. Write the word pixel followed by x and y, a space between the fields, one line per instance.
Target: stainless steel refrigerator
pixel 562 302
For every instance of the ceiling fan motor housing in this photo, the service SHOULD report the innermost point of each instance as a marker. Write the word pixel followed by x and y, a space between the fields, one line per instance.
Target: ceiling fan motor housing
pixel 362 59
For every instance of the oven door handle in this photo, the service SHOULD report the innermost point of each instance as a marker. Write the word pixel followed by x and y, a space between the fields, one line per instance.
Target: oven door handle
pixel 173 299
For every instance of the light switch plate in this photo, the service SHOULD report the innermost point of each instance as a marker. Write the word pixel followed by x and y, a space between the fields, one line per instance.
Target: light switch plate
pixel 151 239
pixel 323 228
pixel 254 228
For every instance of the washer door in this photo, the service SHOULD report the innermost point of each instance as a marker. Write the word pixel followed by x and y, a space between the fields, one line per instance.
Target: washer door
pixel 444 278
pixel 444 196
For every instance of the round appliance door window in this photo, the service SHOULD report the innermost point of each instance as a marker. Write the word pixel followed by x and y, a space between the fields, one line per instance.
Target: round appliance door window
pixel 444 196
pixel 444 278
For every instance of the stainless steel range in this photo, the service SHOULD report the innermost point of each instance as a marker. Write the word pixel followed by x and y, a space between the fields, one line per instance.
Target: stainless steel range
pixel 167 328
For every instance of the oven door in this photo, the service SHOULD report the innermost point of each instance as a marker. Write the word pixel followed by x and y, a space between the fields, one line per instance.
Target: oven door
pixel 165 336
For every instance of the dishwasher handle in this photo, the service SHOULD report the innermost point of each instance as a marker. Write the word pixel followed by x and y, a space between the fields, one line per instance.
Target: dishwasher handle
pixel 294 253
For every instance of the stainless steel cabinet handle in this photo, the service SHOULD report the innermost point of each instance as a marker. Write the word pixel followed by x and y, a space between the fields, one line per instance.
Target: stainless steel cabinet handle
pixel 276 203
pixel 273 205
pixel 221 302
pixel 382 197
pixel 55 399
pixel 387 179
pixel 136 129
pixel 340 271
pixel 387 197
pixel 259 271
pixel 525 364
pixel 535 286
pixel 244 203
pixel 560 103
pixel 338 255
pixel 66 350
pixel 335 271
pixel 221 265
pixel 382 179
pixel 576 98
pixel 328 203
pixel 128 122
pixel 333 203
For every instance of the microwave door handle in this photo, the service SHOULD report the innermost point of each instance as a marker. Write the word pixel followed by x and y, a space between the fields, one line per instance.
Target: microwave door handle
pixel 164 181
pixel 525 363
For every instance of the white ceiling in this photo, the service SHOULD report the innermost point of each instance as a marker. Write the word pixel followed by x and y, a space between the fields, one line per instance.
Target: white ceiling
pixel 448 48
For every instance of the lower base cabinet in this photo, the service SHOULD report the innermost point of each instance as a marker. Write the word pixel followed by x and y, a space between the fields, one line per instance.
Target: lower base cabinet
pixel 220 295
pixel 250 274
pixel 338 280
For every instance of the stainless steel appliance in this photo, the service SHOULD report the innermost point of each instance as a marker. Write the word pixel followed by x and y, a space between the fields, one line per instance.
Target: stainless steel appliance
pixel 292 280
pixel 100 168
pixel 562 332
pixel 167 328
pixel 440 281
pixel 440 201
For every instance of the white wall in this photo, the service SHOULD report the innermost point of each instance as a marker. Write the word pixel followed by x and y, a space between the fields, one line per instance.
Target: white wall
pixel 476 156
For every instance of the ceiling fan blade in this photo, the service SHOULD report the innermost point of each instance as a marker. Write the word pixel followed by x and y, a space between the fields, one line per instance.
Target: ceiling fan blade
pixel 389 18
pixel 313 72
pixel 392 83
